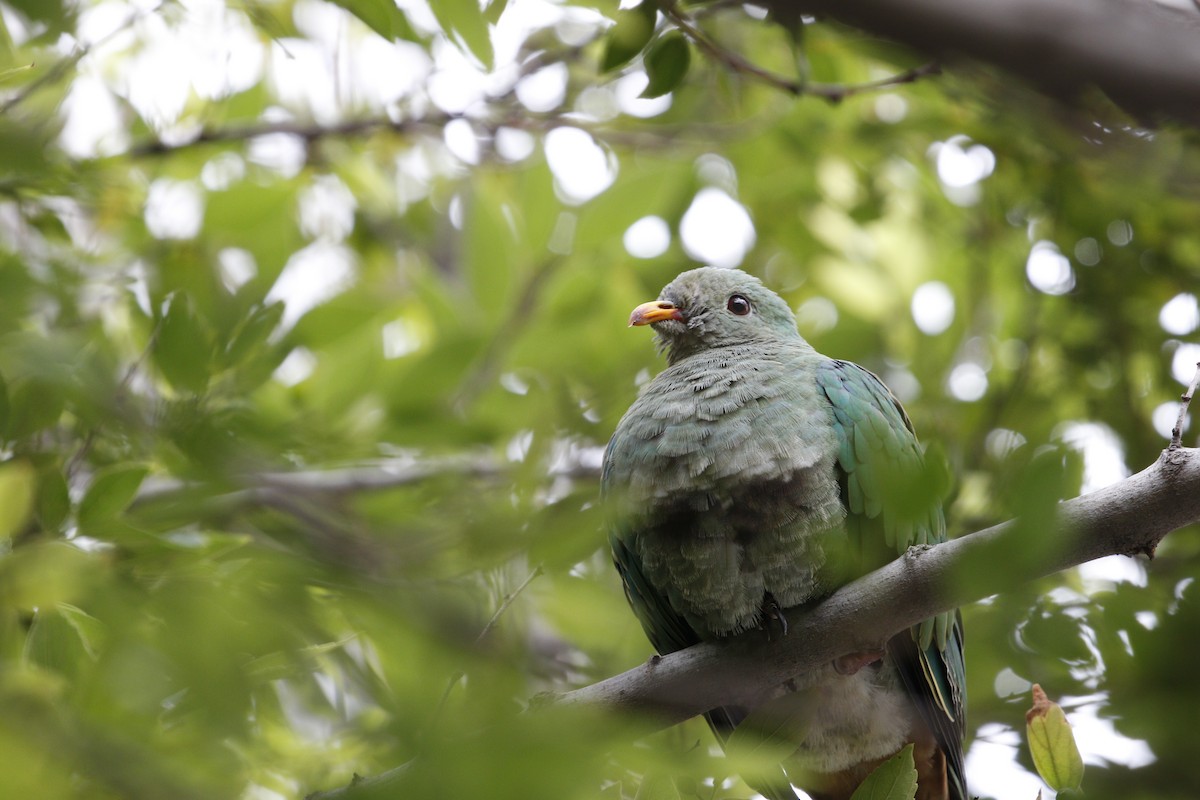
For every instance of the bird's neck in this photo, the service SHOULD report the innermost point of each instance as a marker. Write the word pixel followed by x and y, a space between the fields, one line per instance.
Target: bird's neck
pixel 680 350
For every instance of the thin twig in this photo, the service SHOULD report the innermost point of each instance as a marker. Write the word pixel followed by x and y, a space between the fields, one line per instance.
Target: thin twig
pixel 833 92
pixel 661 135
pixel 306 131
pixel 311 132
pixel 458 675
pixel 455 679
pixel 1184 400
pixel 60 68
pixel 506 602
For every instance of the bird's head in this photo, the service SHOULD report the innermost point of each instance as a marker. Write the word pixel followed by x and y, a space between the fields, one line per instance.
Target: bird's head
pixel 710 307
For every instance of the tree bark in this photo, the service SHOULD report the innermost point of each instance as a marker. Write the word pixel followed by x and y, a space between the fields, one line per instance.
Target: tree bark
pixel 1144 56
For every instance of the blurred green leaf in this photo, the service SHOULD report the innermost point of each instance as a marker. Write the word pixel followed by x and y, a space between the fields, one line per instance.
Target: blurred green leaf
pixel 7 49
pixel 110 492
pixel 52 13
pixel 259 218
pixel 53 498
pixel 6 74
pixel 667 63
pixel 252 332
pixel 466 19
pixel 5 407
pixel 22 149
pixel 382 16
pixel 34 405
pixel 44 574
pixel 63 638
pixel 894 779
pixel 770 735
pixel 18 486
pixel 629 36
pixel 493 10
pixel 492 242
pixel 183 346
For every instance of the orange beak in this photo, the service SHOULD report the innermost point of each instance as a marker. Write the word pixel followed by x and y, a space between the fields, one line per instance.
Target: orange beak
pixel 654 311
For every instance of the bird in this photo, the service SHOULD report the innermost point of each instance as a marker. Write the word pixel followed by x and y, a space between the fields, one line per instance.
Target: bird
pixel 753 475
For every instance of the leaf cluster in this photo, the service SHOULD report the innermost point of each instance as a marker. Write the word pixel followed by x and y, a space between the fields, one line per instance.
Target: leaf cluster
pixel 298 388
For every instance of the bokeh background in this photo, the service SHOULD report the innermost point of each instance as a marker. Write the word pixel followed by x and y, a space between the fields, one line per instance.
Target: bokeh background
pixel 312 331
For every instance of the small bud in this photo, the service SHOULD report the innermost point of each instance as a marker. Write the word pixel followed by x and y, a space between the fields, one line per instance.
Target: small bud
pixel 1052 745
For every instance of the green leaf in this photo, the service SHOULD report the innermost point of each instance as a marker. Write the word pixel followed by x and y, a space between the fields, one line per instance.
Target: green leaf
pixel 894 779
pixel 53 499
pixel 781 724
pixel 770 735
pixel 7 49
pixel 51 12
pixel 491 253
pixel 5 74
pixel 63 638
pixel 260 218
pixel 1052 745
pixel 22 149
pixel 630 34
pixel 110 493
pixel 667 63
pixel 382 16
pixel 465 18
pixel 494 9
pixel 253 332
pixel 34 405
pixel 18 483
pixel 4 407
pixel 183 347
pixel 43 574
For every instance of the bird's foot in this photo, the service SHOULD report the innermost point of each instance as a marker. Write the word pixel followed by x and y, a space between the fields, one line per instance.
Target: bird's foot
pixel 851 663
pixel 773 617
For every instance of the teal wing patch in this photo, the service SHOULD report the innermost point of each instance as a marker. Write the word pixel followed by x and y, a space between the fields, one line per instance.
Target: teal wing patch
pixel 893 502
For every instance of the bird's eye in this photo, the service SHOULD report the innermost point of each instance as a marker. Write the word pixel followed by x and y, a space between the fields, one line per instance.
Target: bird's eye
pixel 738 305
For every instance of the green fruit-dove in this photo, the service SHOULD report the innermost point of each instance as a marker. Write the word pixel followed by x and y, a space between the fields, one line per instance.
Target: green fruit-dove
pixel 754 474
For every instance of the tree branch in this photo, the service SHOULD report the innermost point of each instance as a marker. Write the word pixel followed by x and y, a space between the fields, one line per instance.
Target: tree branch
pixel 1129 518
pixel 1141 55
pixel 833 92
pixel 1184 401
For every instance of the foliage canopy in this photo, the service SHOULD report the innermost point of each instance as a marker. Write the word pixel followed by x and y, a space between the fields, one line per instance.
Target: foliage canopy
pixel 312 329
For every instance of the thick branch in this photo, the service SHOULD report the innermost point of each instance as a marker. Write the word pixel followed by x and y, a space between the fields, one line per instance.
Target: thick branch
pixel 832 92
pixel 1127 518
pixel 1144 57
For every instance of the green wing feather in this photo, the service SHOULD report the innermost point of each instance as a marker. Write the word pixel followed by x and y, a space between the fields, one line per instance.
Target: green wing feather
pixel 893 503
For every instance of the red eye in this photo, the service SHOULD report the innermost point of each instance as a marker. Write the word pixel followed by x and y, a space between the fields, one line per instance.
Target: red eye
pixel 738 305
